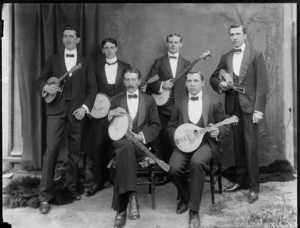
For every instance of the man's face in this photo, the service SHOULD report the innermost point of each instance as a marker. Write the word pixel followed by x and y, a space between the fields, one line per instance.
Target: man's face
pixel 131 82
pixel 193 83
pixel 237 36
pixel 109 50
pixel 174 44
pixel 70 40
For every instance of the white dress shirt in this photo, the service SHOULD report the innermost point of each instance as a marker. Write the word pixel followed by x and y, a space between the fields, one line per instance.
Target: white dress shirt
pixel 237 60
pixel 195 108
pixel 173 62
pixel 111 70
pixel 133 104
pixel 70 61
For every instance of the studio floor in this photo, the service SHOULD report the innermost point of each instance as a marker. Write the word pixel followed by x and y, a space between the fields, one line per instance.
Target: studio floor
pixel 96 212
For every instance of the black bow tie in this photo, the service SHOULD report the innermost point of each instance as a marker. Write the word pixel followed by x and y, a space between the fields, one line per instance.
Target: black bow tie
pixel 111 63
pixel 69 55
pixel 237 50
pixel 172 57
pixel 132 96
pixel 194 98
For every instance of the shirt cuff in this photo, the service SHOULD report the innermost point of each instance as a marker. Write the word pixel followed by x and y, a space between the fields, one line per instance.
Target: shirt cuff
pixel 86 108
pixel 258 112
pixel 160 89
pixel 144 140
pixel 44 93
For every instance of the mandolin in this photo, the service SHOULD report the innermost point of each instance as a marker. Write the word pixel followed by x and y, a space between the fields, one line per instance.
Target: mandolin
pixel 164 98
pixel 188 137
pixel 226 77
pixel 51 98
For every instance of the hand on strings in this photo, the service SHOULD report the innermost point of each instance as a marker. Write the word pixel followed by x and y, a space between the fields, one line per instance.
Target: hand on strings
pixel 214 131
pixel 52 89
pixel 168 84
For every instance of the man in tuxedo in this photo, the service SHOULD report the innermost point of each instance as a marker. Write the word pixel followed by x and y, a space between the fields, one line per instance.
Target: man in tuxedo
pixel 167 68
pixel 68 112
pixel 247 68
pixel 142 110
pixel 196 108
pixel 109 82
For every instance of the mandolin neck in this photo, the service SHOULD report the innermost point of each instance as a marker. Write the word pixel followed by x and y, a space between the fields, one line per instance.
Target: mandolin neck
pixel 204 130
pixel 161 163
pixel 187 69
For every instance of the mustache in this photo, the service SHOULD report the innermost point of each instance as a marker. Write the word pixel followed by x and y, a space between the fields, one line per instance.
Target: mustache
pixel 130 87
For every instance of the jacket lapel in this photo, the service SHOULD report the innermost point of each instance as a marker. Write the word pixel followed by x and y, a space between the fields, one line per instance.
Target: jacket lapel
pixel 167 65
pixel 123 102
pixel 244 64
pixel 119 73
pixel 185 109
pixel 62 64
pixel 104 78
pixel 180 66
pixel 205 108
pixel 141 113
pixel 230 64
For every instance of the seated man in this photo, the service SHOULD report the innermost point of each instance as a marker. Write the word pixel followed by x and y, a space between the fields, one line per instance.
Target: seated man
pixel 146 126
pixel 194 108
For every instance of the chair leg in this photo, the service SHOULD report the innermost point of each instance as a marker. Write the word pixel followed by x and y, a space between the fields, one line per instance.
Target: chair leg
pixel 212 183
pixel 220 184
pixel 150 180
pixel 153 183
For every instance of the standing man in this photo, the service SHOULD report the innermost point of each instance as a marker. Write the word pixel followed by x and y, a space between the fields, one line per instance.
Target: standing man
pixel 146 126
pixel 77 100
pixel 247 68
pixel 196 108
pixel 109 82
pixel 167 68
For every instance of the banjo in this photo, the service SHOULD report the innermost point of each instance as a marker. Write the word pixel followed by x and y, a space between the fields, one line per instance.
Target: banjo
pixel 102 101
pixel 121 126
pixel 164 98
pixel 188 137
pixel 226 77
pixel 49 98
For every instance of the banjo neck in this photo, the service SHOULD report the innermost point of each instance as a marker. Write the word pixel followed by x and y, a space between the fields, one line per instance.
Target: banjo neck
pixel 161 163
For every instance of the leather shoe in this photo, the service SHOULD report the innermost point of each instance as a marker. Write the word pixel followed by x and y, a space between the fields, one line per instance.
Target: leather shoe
pixel 253 196
pixel 92 190
pixel 44 207
pixel 163 180
pixel 133 212
pixel 233 188
pixel 194 219
pixel 120 219
pixel 182 207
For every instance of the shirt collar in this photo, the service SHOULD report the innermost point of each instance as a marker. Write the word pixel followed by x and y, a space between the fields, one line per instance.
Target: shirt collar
pixel 243 46
pixel 197 95
pixel 176 54
pixel 71 52
pixel 136 92
pixel 111 60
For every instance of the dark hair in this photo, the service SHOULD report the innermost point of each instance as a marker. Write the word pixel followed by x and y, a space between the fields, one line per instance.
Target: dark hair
pixel 174 34
pixel 111 40
pixel 196 72
pixel 132 70
pixel 69 27
pixel 237 26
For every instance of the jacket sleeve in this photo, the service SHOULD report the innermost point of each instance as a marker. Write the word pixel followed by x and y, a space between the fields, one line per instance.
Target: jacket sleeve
pixel 214 79
pixel 174 122
pixel 91 86
pixel 152 129
pixel 155 86
pixel 44 76
pixel 219 115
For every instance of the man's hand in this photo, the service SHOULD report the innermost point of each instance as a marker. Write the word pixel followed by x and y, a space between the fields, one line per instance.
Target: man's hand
pixel 214 131
pixel 52 89
pixel 168 84
pixel 137 136
pixel 79 113
pixel 257 116
pixel 224 86
pixel 144 88
pixel 116 112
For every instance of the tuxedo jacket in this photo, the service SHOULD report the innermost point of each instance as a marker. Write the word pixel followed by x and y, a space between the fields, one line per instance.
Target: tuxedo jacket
pixel 83 83
pixel 253 77
pixel 212 112
pixel 162 68
pixel 147 116
pixel 102 84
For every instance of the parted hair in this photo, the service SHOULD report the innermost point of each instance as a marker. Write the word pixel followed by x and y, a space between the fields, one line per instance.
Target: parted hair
pixel 132 70
pixel 69 27
pixel 111 40
pixel 193 71
pixel 174 34
pixel 237 26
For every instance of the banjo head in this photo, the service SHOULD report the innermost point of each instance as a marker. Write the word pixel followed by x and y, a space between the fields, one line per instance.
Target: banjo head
pixel 119 126
pixel 101 106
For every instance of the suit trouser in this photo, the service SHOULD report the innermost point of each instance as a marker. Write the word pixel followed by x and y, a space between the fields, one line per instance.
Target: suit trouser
pixel 102 150
pixel 245 143
pixel 56 125
pixel 196 161
pixel 163 142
